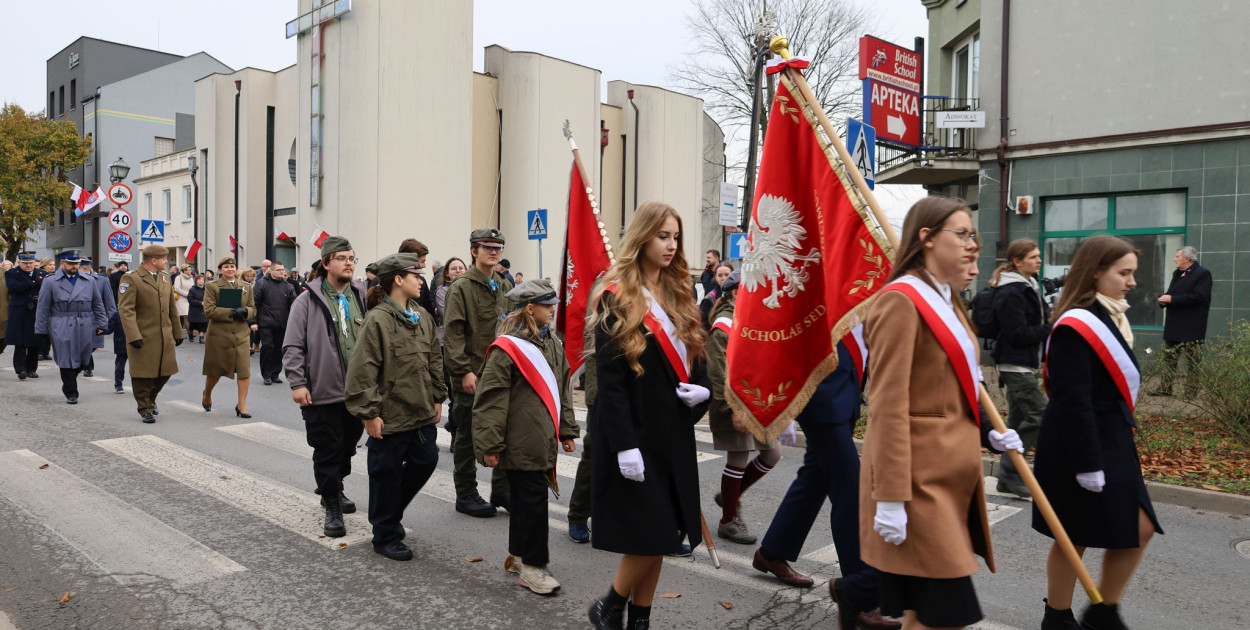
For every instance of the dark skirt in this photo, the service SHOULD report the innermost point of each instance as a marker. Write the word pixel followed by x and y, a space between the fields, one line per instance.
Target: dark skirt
pixel 939 603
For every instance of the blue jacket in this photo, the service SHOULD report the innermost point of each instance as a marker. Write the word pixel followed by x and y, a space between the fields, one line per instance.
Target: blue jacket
pixel 70 311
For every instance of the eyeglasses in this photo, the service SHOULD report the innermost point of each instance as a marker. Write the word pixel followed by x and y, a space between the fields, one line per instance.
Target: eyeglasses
pixel 494 249
pixel 964 235
pixel 343 259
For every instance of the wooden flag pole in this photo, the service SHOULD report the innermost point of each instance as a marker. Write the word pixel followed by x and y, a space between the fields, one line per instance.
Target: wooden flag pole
pixel 779 46
pixel 707 540
pixel 590 193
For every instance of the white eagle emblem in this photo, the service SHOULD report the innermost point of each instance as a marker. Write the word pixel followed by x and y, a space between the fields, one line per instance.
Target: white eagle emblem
pixel 772 251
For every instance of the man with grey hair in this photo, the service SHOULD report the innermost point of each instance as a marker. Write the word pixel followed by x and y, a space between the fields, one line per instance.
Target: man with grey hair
pixel 1188 300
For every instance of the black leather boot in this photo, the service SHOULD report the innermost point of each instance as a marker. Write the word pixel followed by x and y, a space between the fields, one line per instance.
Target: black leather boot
pixel 639 618
pixel 1059 619
pixel 608 611
pixel 1103 617
pixel 334 527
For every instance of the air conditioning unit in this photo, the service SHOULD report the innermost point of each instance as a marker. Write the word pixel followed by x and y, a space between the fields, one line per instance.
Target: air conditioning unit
pixel 1024 205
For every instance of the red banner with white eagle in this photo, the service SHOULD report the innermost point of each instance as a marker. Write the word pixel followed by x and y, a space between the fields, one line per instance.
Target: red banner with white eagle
pixel 814 258
pixel 587 256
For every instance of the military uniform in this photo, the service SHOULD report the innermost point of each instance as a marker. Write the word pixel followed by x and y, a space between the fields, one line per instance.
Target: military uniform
pixel 229 338
pixel 396 373
pixel 475 304
pixel 70 312
pixel 4 312
pixel 150 320
pixel 23 288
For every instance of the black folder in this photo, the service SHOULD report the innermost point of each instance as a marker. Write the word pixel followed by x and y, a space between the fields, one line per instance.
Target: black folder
pixel 230 298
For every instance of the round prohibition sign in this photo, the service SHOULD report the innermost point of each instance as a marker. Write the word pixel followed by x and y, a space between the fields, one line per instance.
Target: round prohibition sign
pixel 119 219
pixel 120 194
pixel 120 242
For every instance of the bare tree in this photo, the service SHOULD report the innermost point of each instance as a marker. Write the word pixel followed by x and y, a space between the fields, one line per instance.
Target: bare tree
pixel 722 58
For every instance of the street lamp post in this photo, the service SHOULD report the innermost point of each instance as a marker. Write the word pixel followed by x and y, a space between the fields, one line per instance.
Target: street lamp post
pixel 117 172
pixel 193 168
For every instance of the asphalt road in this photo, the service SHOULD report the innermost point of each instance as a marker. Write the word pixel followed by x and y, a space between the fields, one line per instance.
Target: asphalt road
pixel 205 520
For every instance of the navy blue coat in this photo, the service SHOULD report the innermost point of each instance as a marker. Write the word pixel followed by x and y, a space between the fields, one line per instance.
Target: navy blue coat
pixel 1022 330
pixel 23 295
pixel 1087 427
pixel 1191 303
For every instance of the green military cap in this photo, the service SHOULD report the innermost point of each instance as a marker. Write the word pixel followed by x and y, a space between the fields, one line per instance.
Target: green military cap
pixel 396 263
pixel 372 268
pixel 534 292
pixel 486 234
pixel 228 260
pixel 155 251
pixel 334 245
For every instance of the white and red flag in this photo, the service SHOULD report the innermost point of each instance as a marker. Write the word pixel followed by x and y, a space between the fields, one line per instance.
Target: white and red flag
pixel 84 201
pixel 193 249
pixel 234 245
pixel 814 258
pixel 587 255
pixel 318 236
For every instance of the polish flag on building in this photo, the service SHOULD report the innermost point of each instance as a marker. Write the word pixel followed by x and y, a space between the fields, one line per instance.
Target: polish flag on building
pixel 84 201
pixel 283 236
pixel 814 258
pixel 234 245
pixel 587 255
pixel 193 249
pixel 318 236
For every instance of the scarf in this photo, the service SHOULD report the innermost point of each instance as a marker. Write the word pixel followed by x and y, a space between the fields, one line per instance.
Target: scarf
pixel 1117 308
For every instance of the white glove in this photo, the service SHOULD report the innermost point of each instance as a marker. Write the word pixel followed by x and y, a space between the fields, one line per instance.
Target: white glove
pixel 1092 481
pixel 631 464
pixel 789 437
pixel 891 521
pixel 1009 441
pixel 692 394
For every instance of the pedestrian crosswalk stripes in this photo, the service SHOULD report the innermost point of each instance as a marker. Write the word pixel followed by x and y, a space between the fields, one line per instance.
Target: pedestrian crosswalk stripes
pixel 282 505
pixel 134 547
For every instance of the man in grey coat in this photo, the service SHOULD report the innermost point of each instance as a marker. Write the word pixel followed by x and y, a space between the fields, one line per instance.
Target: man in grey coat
pixel 105 290
pixel 71 311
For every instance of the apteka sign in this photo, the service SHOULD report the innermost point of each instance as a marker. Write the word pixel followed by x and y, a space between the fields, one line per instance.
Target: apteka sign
pixel 882 61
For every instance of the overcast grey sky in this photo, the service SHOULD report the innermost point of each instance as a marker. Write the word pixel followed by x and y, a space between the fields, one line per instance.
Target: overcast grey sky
pixel 634 41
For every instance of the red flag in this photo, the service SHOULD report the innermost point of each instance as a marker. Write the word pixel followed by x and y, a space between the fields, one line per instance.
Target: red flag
pixel 193 249
pixel 587 256
pixel 234 245
pixel 811 263
pixel 283 236
pixel 84 201
pixel 318 235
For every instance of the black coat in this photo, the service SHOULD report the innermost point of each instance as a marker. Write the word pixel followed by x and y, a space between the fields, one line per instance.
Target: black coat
pixel 195 306
pixel 1087 427
pixel 273 302
pixel 643 412
pixel 1022 327
pixel 1191 303
pixel 23 298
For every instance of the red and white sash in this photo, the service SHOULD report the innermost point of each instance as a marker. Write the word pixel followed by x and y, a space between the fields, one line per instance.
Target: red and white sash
pixel 725 324
pixel 950 333
pixel 665 333
pixel 534 367
pixel 858 347
pixel 1109 349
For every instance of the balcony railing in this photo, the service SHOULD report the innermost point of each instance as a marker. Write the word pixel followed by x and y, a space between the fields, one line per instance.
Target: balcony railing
pixel 936 143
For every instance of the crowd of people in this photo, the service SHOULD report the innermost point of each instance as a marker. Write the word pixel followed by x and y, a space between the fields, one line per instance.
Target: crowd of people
pixel 382 355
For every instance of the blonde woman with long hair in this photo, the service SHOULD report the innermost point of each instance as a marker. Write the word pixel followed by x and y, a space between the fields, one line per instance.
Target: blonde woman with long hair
pixel 652 389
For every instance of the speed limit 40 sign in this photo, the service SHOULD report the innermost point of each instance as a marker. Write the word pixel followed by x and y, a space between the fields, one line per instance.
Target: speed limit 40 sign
pixel 119 219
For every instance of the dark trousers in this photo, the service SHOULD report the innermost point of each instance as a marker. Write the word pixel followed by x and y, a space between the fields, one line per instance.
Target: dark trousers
pixel 579 501
pixel 527 516
pixel 333 434
pixel 69 381
pixel 830 471
pixel 1025 405
pixel 25 359
pixel 119 369
pixel 1173 352
pixel 271 352
pixel 145 391
pixel 399 466
pixel 463 459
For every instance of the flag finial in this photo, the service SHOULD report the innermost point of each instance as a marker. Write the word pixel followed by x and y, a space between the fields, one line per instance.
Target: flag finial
pixel 780 46
pixel 568 130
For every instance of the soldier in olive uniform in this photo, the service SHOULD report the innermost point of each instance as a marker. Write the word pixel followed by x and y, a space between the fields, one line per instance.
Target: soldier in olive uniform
pixel 475 303
pixel 150 320
pixel 395 387
pixel 522 410
pixel 229 335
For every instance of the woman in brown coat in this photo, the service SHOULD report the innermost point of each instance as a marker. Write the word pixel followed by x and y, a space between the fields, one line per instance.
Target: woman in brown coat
pixel 229 336
pixel 922 497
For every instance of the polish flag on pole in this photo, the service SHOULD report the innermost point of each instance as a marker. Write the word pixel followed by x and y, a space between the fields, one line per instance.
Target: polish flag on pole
pixel 283 236
pixel 587 256
pixel 234 245
pixel 318 236
pixel 193 249
pixel 84 201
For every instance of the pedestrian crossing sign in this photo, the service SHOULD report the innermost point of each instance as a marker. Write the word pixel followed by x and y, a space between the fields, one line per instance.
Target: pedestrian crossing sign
pixel 537 222
pixel 152 231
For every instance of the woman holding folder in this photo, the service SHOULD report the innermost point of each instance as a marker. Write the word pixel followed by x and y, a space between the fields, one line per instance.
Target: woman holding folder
pixel 228 304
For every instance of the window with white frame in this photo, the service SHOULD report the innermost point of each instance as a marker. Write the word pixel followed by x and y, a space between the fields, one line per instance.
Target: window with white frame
pixel 147 205
pixel 166 205
pixel 186 203
pixel 967 68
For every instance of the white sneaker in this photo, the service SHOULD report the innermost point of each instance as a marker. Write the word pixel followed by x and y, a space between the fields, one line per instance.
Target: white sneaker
pixel 537 579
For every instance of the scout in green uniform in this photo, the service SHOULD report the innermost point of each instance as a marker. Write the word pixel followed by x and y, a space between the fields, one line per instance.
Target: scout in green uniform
pixel 395 387
pixel 475 302
pixel 229 335
pixel 145 305
pixel 521 410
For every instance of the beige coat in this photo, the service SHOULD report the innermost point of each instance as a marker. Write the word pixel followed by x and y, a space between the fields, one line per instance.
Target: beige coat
pixel 923 447
pixel 229 341
pixel 145 305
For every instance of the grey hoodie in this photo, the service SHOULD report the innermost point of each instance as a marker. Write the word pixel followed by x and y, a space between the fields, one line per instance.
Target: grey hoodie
pixel 310 352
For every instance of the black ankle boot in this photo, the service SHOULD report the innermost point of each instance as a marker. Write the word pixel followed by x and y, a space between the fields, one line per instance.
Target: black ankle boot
pixel 1103 617
pixel 608 611
pixel 334 527
pixel 639 618
pixel 1059 619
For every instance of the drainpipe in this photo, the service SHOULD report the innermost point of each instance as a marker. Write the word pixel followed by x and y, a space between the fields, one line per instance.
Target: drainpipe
pixel 1003 165
pixel 238 90
pixel 636 146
